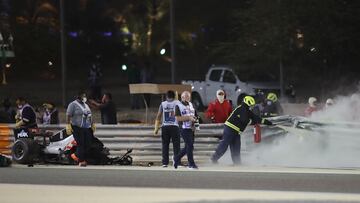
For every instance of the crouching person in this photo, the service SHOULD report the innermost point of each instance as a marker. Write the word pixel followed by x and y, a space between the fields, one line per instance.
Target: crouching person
pixel 80 124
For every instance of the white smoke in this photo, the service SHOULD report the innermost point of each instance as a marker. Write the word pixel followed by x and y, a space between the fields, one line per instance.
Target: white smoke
pixel 345 109
pixel 334 145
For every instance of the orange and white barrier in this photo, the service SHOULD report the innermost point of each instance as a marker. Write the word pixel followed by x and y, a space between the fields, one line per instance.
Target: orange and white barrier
pixel 5 139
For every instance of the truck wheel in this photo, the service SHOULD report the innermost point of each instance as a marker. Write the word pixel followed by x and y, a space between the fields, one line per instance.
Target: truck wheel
pixel 240 99
pixel 196 101
pixel 24 151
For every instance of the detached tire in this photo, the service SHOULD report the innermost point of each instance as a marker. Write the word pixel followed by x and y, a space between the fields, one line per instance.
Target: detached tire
pixel 196 101
pixel 24 151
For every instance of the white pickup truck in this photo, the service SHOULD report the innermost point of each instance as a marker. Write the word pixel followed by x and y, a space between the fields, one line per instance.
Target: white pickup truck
pixel 223 77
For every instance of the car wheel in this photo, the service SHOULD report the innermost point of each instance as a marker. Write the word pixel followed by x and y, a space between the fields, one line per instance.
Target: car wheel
pixel 24 151
pixel 197 103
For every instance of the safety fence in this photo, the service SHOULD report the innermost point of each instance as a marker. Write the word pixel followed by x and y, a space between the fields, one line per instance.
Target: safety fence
pixel 147 147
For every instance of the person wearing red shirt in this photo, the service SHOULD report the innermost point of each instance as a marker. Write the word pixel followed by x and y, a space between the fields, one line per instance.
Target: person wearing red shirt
pixel 220 109
pixel 312 107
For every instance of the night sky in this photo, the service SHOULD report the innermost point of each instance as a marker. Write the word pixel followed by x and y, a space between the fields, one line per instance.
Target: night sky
pixel 316 40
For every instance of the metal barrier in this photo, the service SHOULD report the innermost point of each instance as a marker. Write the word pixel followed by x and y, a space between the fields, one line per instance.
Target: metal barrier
pixel 6 137
pixel 147 147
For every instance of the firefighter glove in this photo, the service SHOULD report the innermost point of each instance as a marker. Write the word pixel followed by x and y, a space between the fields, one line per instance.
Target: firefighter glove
pixel 176 95
pixel 157 127
pixel 69 129
pixel 19 124
pixel 267 122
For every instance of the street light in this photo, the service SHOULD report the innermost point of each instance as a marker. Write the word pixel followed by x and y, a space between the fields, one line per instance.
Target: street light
pixel 162 51
pixel 124 67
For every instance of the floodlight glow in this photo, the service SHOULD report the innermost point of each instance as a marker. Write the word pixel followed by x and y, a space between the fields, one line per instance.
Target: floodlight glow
pixel 162 51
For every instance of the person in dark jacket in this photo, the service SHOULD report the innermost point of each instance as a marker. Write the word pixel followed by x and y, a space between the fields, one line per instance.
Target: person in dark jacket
pixel 107 108
pixel 25 118
pixel 260 103
pixel 9 112
pixel 234 125
pixel 272 106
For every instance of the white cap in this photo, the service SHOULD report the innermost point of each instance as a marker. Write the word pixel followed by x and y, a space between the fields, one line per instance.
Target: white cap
pixel 329 101
pixel 217 92
pixel 312 101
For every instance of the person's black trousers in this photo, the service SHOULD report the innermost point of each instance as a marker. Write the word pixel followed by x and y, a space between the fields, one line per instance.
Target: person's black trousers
pixel 187 135
pixel 83 138
pixel 168 133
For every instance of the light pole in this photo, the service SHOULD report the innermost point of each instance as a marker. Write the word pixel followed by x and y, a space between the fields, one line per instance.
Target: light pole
pixel 63 52
pixel 172 39
pixel 281 52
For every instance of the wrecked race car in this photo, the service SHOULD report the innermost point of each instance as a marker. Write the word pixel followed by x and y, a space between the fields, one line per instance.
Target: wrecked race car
pixel 40 146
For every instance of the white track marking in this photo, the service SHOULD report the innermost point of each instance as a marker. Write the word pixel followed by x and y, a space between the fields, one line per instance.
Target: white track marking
pixel 229 169
pixel 15 193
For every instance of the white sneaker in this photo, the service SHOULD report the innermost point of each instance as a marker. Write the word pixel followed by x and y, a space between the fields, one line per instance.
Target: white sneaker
pixel 164 166
pixel 173 161
pixel 193 167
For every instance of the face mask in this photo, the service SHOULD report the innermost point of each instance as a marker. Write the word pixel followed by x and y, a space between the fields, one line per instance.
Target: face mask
pixel 185 103
pixel 20 106
pixel 84 99
pixel 220 98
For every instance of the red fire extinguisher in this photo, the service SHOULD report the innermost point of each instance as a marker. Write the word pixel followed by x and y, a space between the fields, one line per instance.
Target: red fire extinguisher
pixel 257 133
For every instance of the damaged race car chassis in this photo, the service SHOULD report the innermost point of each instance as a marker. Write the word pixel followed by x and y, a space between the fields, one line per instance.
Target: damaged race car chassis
pixel 40 146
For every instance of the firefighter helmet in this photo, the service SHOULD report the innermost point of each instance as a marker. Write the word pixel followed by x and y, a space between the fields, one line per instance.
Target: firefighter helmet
pixel 272 96
pixel 249 100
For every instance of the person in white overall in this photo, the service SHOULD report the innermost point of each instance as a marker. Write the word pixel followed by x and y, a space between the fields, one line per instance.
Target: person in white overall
pixel 185 114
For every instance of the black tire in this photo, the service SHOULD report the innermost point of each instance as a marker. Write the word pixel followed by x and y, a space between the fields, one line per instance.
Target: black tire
pixel 24 151
pixel 240 99
pixel 196 101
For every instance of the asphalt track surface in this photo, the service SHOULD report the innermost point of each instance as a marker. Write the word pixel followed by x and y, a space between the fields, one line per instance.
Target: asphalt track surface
pixel 209 178
pixel 154 184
